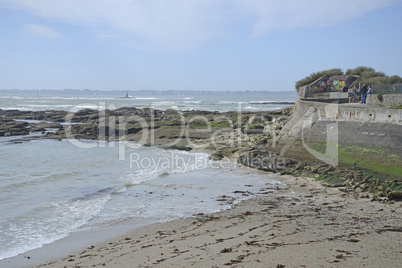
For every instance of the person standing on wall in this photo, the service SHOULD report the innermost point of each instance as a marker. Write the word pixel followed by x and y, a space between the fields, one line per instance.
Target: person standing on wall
pixel 363 91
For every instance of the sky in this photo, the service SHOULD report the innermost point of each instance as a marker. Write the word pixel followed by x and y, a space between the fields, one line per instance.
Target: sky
pixel 212 45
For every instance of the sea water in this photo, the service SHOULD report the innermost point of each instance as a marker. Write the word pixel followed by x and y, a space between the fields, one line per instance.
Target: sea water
pixel 51 189
pixel 263 101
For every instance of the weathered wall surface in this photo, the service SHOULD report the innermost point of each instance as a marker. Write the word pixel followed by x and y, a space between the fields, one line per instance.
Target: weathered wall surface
pixel 372 99
pixel 344 112
pixel 387 100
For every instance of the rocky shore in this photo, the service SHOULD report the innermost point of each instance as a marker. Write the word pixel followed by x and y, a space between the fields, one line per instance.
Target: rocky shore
pixel 324 218
pixel 269 141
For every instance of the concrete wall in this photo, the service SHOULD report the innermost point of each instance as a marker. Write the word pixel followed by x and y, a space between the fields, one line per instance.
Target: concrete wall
pixel 305 92
pixel 388 100
pixel 372 99
pixel 353 113
pixel 338 95
pixel 376 128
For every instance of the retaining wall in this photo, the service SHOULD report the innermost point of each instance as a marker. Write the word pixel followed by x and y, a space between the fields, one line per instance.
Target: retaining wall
pixel 353 113
pixel 387 100
pixel 349 125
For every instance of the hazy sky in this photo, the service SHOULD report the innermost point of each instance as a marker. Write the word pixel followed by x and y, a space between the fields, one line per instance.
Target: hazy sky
pixel 192 44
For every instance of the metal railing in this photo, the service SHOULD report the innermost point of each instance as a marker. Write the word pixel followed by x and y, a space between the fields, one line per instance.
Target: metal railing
pixel 387 88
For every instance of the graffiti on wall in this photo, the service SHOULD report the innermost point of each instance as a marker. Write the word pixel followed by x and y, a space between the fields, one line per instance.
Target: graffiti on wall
pixel 338 85
pixel 323 86
pixel 329 85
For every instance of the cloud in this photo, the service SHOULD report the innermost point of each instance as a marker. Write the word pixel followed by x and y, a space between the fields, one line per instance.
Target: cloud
pixel 292 14
pixel 178 24
pixel 170 24
pixel 41 31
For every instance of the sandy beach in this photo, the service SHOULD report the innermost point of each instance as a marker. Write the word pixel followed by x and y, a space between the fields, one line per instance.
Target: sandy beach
pixel 305 225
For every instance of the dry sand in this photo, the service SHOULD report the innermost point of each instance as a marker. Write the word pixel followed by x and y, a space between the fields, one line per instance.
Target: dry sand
pixel 306 225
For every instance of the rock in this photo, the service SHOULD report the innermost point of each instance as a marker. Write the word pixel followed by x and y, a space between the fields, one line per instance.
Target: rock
pixel 357 176
pixel 216 156
pixel 325 169
pixel 315 168
pixel 133 128
pixel 89 131
pixel 395 195
pixel 307 168
pixel 380 188
pixel 299 166
pixel 364 186
pixel 281 118
pixel 9 127
pixel 43 125
pixel 349 176
pixel 367 178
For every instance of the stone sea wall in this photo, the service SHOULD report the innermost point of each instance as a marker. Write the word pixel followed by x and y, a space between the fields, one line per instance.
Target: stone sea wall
pixel 355 148
pixel 385 100
pixel 317 122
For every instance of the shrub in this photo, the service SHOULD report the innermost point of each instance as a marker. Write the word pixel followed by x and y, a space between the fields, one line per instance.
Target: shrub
pixel 370 77
pixel 395 79
pixel 379 96
pixel 367 75
pixel 314 76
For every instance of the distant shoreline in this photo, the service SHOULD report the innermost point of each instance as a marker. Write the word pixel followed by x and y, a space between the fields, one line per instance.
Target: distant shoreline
pixel 122 93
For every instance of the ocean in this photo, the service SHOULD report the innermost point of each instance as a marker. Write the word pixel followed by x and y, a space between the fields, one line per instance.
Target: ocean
pixel 218 101
pixel 50 190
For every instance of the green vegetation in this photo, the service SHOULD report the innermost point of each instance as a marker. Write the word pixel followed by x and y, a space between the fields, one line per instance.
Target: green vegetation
pixel 370 77
pixel 197 124
pixel 254 127
pixel 248 129
pixel 369 181
pixel 372 164
pixel 376 160
pixel 367 75
pixel 286 171
pixel 397 107
pixel 333 179
pixel 173 123
pixel 352 178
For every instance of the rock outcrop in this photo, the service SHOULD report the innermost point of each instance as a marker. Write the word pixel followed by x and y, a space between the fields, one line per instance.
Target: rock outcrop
pixel 10 127
pixel 359 148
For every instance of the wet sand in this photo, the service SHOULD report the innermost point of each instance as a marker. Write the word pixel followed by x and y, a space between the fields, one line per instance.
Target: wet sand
pixel 306 225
